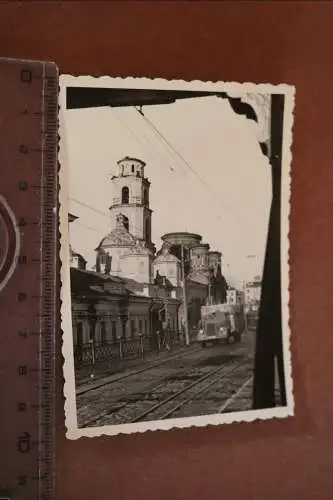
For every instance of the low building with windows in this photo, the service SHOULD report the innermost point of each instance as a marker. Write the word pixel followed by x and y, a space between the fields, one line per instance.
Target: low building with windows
pixel 112 311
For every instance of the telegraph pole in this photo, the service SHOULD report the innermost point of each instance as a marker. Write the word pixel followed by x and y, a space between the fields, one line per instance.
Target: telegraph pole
pixel 187 338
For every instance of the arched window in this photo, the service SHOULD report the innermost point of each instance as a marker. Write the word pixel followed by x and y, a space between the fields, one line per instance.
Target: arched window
pixel 103 332
pixel 147 230
pixel 132 328
pixel 79 334
pixel 114 331
pixel 125 195
pixel 132 168
pixel 145 197
pixel 126 223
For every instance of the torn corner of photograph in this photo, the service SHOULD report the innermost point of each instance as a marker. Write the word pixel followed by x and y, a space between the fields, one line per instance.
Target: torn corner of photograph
pixel 174 220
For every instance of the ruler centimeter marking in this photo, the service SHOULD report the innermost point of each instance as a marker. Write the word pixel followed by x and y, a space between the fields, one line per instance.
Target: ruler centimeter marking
pixel 28 159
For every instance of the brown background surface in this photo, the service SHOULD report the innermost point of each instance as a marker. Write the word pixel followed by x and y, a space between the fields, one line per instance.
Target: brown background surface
pixel 278 42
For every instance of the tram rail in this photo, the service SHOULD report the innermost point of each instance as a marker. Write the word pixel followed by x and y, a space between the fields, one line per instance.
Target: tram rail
pixel 163 409
pixel 81 392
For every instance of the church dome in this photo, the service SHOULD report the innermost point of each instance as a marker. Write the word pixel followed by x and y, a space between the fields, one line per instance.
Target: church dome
pixel 165 256
pixel 118 237
pixel 139 248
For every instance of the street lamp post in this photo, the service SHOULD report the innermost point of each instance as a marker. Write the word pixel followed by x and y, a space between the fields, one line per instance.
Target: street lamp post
pixel 185 305
pixel 93 322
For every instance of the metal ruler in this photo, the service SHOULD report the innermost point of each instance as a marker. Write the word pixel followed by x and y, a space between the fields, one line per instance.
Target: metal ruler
pixel 28 279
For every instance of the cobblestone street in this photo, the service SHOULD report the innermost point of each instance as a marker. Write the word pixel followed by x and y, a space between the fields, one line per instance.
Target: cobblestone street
pixel 191 382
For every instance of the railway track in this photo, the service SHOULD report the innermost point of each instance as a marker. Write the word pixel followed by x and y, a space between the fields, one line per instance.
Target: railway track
pixel 113 380
pixel 170 405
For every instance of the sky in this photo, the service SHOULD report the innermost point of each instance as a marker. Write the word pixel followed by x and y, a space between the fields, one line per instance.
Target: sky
pixel 215 181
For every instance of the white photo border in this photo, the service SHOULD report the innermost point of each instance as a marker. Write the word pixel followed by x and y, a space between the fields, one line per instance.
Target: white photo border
pixel 232 89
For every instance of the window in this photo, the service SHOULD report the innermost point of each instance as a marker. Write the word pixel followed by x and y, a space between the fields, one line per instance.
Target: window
pixel 145 197
pixel 114 331
pixel 79 334
pixel 140 326
pixel 147 230
pixel 132 328
pixel 124 323
pixel 146 326
pixel 126 223
pixel 132 168
pixel 125 195
pixel 103 332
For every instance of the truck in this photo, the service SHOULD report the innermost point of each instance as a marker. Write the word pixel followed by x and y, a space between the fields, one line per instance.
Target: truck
pixel 221 323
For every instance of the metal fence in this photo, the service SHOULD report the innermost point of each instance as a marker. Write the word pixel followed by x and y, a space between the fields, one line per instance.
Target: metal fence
pixel 123 349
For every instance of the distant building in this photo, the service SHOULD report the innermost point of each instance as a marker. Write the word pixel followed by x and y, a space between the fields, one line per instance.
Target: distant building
pixel 204 280
pixel 253 294
pixel 235 297
pixel 76 259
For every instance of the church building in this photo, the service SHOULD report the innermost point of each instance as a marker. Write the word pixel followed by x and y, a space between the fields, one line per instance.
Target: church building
pixel 127 251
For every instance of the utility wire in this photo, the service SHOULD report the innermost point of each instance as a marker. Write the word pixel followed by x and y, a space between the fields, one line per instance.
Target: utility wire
pixel 161 139
pixel 166 149
pixel 89 206
pixel 99 212
pixel 87 226
pixel 137 138
pixel 105 214
pixel 180 156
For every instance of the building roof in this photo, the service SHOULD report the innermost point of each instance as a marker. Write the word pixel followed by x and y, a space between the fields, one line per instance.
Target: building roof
pixel 89 283
pixel 75 254
pixel 198 278
pixel 164 255
pixel 118 237
pixel 131 158
pixel 182 238
pixel 204 246
pixel 72 217
pixel 139 248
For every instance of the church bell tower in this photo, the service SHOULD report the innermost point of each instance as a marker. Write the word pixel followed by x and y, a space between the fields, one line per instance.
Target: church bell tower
pixel 131 199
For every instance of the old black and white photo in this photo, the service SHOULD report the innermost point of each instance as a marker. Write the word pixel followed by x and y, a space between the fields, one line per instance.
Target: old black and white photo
pixel 174 204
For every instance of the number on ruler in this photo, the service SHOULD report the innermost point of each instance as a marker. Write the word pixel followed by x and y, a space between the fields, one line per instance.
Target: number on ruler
pixel 23 443
pixel 22 407
pixel 23 186
pixel 22 480
pixel 22 222
pixel 22 370
pixel 22 259
pixel 26 76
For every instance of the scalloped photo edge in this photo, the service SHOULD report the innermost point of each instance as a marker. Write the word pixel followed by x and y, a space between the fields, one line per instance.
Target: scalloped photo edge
pixel 233 89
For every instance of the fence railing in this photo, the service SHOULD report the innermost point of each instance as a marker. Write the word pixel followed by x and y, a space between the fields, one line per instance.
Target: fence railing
pixel 123 349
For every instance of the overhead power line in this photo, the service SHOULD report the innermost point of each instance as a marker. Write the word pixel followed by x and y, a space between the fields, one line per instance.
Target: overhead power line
pixel 90 207
pixel 181 157
pixel 130 131
pixel 99 212
pixel 87 226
